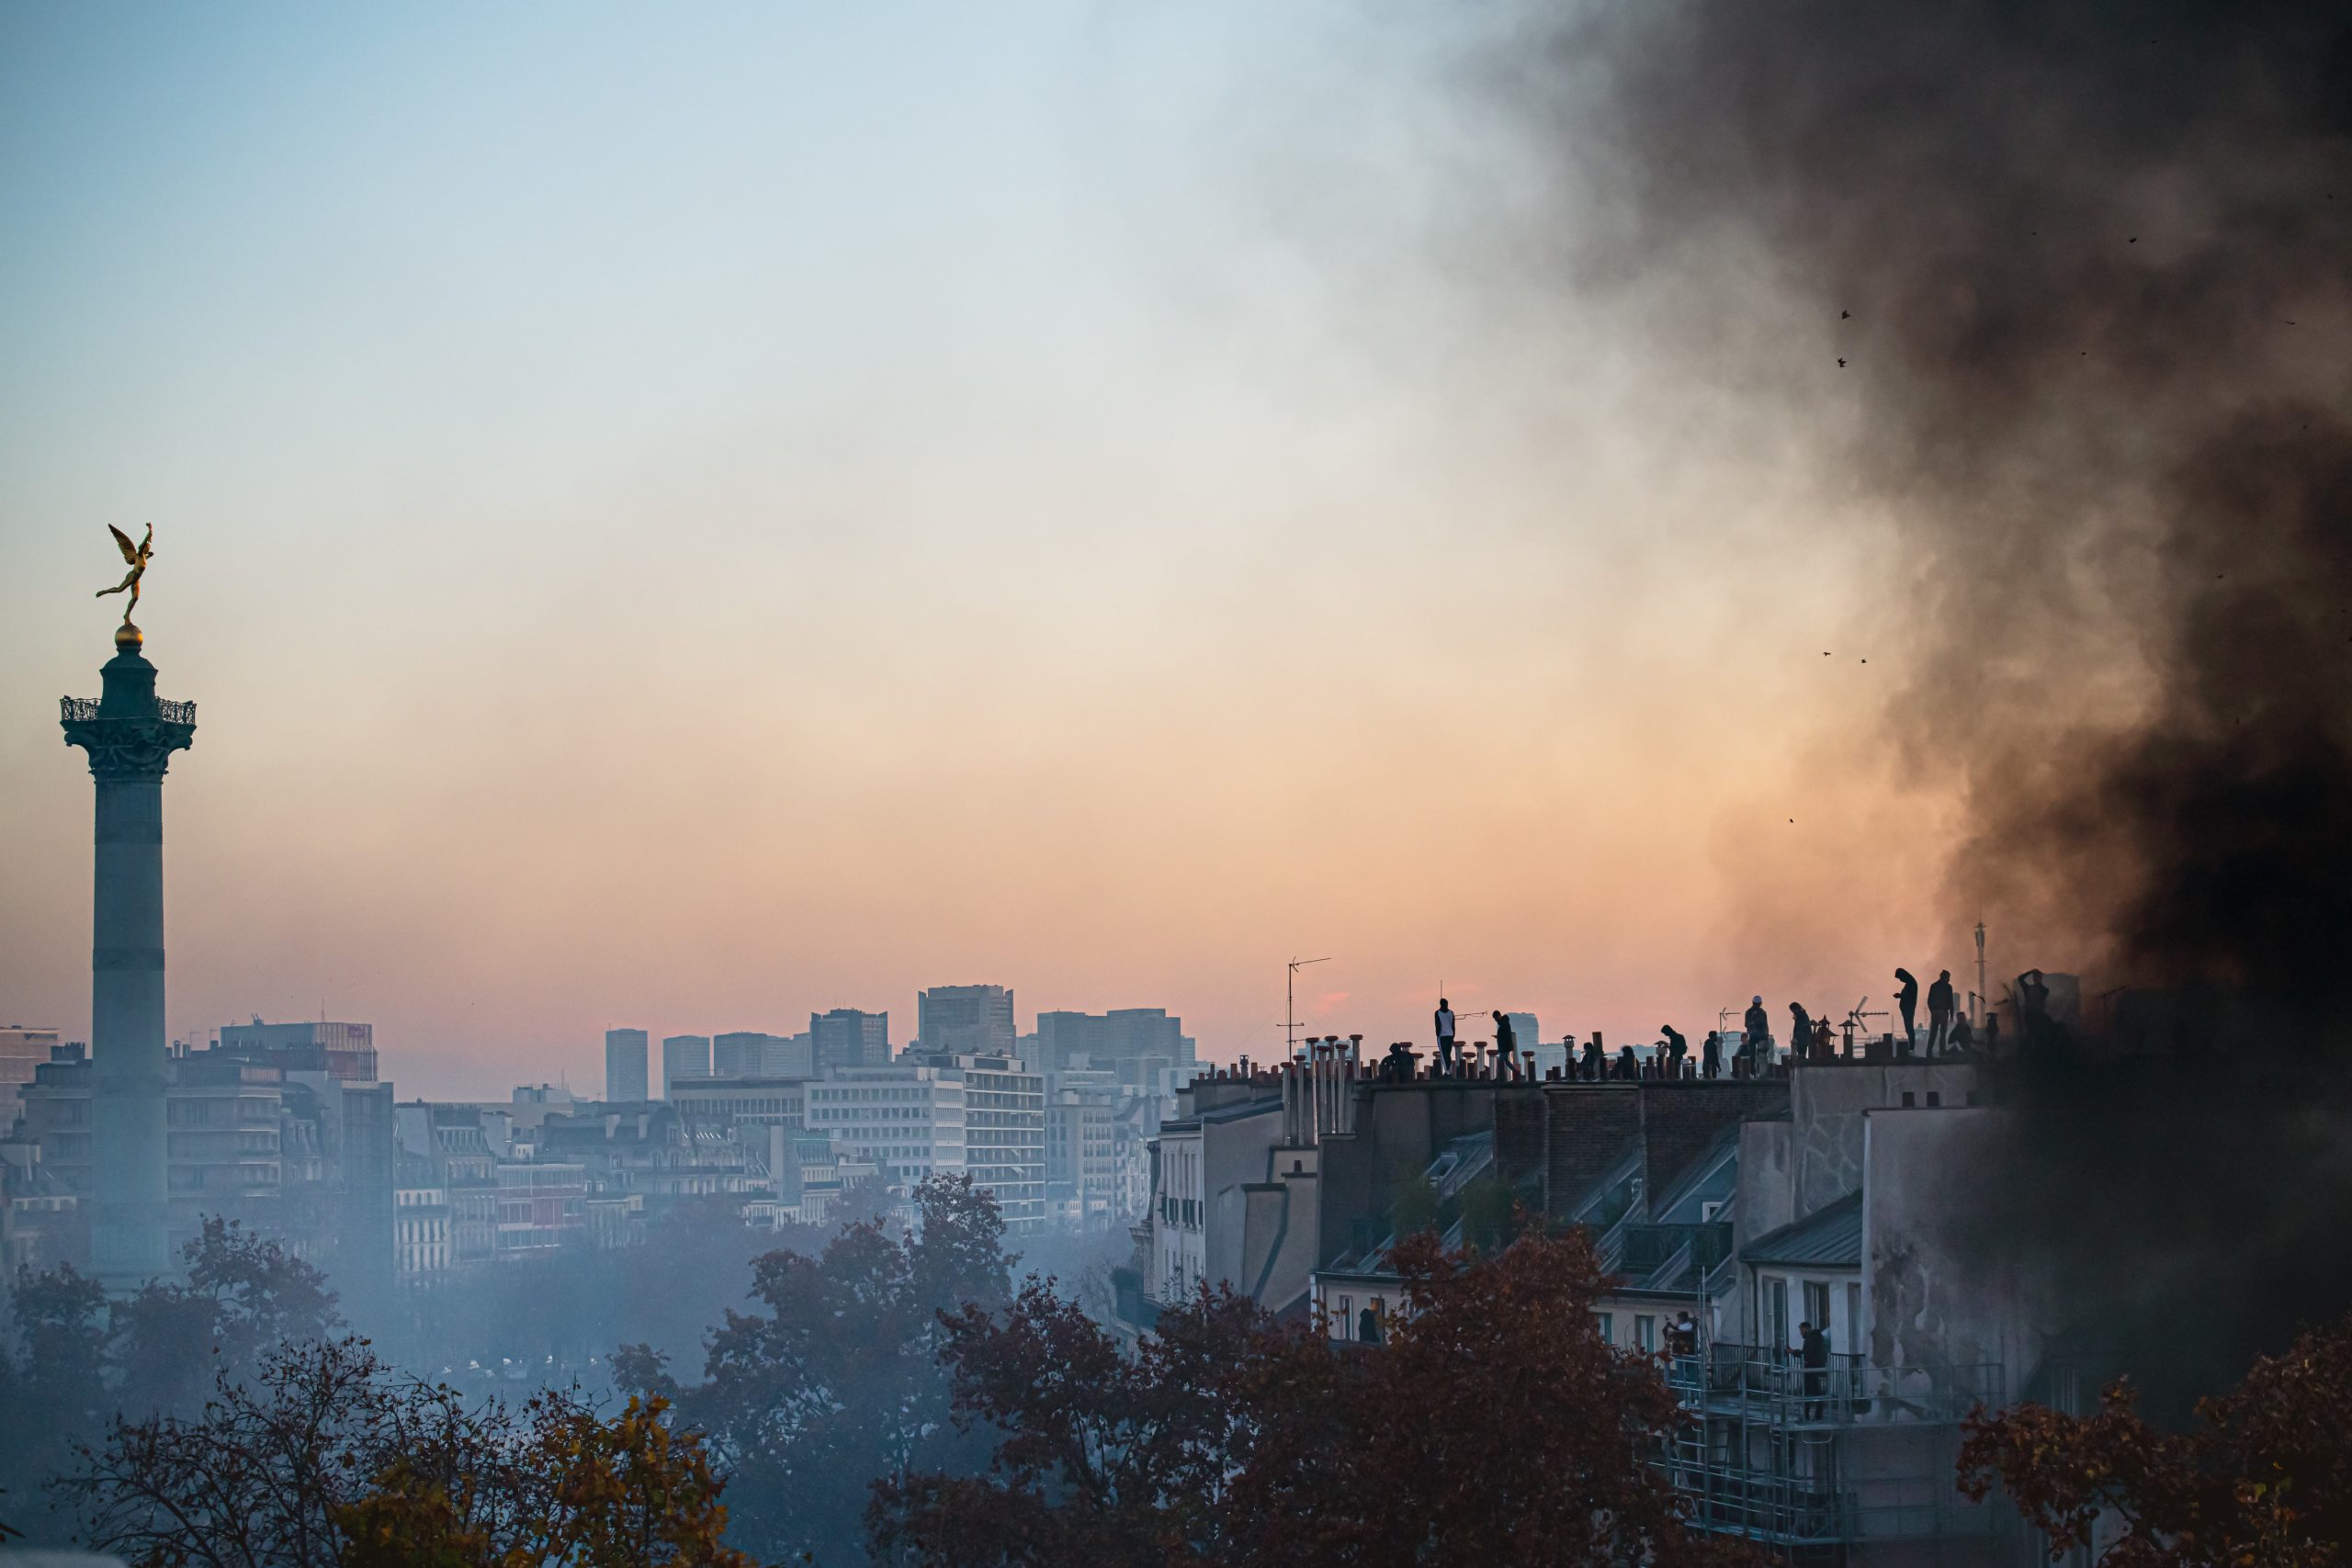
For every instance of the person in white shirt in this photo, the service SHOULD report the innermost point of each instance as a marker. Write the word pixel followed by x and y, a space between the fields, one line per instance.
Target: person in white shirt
pixel 1445 1037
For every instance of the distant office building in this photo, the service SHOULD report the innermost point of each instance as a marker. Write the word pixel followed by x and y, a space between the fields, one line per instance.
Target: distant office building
pixel 965 1020
pixel 1004 1136
pixel 848 1038
pixel 1144 1046
pixel 419 1221
pixel 747 1054
pixel 345 1051
pixel 21 1051
pixel 1081 1177
pixel 625 1066
pixel 683 1056
pixel 776 1103
pixel 906 1118
pixel 301 1155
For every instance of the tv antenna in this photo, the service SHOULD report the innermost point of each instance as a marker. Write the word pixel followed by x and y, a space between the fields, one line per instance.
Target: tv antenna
pixel 1290 1004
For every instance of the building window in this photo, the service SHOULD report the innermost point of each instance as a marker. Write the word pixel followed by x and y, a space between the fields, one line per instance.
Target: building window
pixel 1776 1313
pixel 1645 1333
pixel 1816 1304
pixel 1347 1314
pixel 1853 1319
pixel 1607 1323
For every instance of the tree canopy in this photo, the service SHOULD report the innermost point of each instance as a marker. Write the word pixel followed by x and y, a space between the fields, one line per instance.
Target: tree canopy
pixel 2263 1479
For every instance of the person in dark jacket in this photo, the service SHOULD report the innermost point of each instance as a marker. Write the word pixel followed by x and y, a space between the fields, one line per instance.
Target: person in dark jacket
pixel 1628 1066
pixel 1758 1024
pixel 1940 1011
pixel 1595 1069
pixel 1813 1350
pixel 1906 1002
pixel 1368 1326
pixel 1711 1055
pixel 1677 1048
pixel 1800 1031
pixel 1506 1047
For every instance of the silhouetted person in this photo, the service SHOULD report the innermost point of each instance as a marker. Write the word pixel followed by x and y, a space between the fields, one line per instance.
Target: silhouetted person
pixel 2033 1011
pixel 1992 1034
pixel 1676 1049
pixel 1906 1002
pixel 1963 1037
pixel 1506 1047
pixel 1758 1027
pixel 1800 1030
pixel 1822 1049
pixel 1814 1353
pixel 1593 1066
pixel 1368 1326
pixel 1445 1037
pixel 1940 1011
pixel 1628 1066
pixel 1711 1055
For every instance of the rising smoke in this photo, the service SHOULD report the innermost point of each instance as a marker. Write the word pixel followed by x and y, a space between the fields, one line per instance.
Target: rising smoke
pixel 2088 270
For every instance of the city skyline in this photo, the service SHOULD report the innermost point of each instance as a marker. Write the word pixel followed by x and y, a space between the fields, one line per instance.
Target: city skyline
pixel 1154 550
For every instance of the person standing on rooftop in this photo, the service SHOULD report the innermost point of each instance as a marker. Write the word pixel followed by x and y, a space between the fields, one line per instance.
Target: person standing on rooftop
pixel 1906 1001
pixel 1445 1037
pixel 1758 1026
pixel 1940 1011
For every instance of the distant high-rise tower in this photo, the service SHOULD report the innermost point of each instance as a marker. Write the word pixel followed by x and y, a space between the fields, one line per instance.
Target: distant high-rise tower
pixel 683 1056
pixel 965 1020
pixel 129 734
pixel 626 1066
pixel 848 1038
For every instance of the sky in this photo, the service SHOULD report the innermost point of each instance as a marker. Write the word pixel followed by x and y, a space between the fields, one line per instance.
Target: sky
pixel 683 518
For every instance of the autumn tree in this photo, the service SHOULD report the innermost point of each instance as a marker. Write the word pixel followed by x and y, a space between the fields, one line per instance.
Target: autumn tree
pixel 1494 1426
pixel 328 1459
pixel 832 1380
pixel 242 1295
pixel 2262 1479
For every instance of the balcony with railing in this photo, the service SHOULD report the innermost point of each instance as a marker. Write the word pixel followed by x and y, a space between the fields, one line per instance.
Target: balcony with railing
pixel 84 710
pixel 1760 1383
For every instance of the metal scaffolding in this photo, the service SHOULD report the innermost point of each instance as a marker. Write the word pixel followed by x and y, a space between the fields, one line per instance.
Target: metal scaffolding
pixel 1816 1464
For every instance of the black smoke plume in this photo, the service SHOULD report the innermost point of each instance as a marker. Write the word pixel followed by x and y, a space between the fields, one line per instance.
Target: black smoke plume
pixel 2074 286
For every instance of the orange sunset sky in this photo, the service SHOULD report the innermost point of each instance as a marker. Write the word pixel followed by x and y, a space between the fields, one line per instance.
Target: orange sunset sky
pixel 685 526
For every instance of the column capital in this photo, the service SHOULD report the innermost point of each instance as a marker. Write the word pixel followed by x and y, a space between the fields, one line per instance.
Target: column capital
pixel 129 733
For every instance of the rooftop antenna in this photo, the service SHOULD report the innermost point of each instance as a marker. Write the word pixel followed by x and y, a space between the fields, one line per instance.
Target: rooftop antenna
pixel 1980 995
pixel 1290 1004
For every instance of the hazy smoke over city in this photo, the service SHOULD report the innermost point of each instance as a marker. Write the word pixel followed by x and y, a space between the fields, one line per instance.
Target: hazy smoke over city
pixel 2085 274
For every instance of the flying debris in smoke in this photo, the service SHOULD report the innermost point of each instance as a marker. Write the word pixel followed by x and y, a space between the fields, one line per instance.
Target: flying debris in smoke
pixel 2078 235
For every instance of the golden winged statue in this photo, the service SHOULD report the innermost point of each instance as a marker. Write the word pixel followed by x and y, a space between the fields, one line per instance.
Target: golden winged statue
pixel 138 555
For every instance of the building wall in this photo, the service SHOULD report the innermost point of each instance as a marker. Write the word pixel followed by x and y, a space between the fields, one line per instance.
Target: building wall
pixel 685 1056
pixel 848 1038
pixel 965 1020
pixel 339 1050
pixel 1929 1301
pixel 1827 1105
pixel 906 1119
pixel 625 1066
pixel 22 1050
